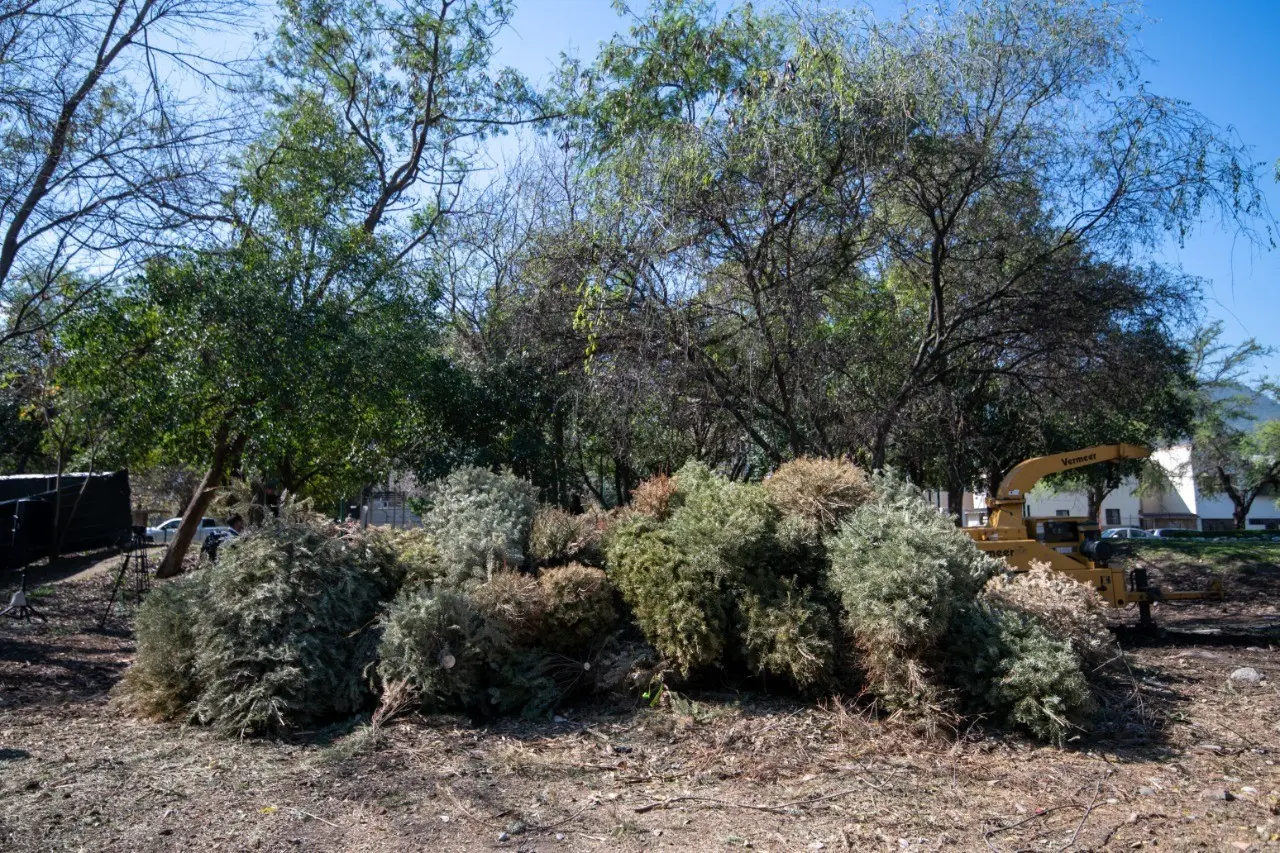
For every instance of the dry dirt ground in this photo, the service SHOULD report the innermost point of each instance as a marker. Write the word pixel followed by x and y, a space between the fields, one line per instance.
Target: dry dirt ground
pixel 1192 765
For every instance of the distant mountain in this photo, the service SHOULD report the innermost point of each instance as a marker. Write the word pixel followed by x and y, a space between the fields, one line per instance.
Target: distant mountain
pixel 1252 406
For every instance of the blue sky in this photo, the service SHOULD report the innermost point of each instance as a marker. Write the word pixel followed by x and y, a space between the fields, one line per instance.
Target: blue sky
pixel 1223 57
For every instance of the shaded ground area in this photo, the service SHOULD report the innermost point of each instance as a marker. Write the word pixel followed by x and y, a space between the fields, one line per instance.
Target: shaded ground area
pixel 1191 765
pixel 1249 573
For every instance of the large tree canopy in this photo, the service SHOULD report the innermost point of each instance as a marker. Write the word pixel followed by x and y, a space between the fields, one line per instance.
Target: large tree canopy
pixel 303 346
pixel 733 234
pixel 834 231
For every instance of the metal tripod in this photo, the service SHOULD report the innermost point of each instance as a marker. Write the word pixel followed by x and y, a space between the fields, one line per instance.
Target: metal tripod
pixel 135 558
pixel 19 607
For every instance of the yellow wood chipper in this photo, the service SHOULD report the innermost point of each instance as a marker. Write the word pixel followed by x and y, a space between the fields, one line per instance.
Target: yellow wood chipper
pixel 1073 545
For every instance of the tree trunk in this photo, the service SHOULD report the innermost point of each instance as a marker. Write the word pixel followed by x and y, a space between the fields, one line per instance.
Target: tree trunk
pixel 223 452
pixel 1096 495
pixel 879 447
pixel 620 481
pixel 1241 499
pixel 955 507
pixel 888 420
pixel 559 482
pixel 955 504
pixel 1240 514
pixel 75 506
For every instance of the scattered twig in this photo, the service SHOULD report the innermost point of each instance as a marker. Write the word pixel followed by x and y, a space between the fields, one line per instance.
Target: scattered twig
pixel 560 823
pixel 1039 813
pixel 781 808
pixel 1084 817
pixel 449 793
pixel 301 813
pixel 589 730
pixel 662 804
pixel 532 826
pixel 1106 839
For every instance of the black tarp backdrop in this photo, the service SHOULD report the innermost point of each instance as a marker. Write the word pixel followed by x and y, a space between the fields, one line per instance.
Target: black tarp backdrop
pixel 95 514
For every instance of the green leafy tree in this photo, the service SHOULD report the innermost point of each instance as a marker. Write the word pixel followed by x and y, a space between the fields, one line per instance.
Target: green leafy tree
pixel 731 156
pixel 304 347
pixel 20 434
pixel 1239 461
pixel 227 373
pixel 68 423
pixel 1156 416
pixel 839 223
pixel 1030 177
pixel 1233 453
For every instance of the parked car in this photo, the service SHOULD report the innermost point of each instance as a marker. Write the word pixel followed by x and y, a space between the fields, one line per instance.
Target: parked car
pixel 164 533
pixel 1124 533
pixel 1172 532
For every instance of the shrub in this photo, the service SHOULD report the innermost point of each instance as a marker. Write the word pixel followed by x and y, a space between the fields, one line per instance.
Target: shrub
pixel 161 683
pixel 418 554
pixel 526 682
pixel 713 574
pixel 558 537
pixel 516 600
pixel 677 601
pixel 579 609
pixel 818 493
pixel 455 656
pixel 624 667
pixel 443 646
pixel 1007 662
pixel 732 524
pixel 608 523
pixel 480 521
pixel 1067 608
pixel 653 496
pixel 284 633
pixel 901 568
pixel 381 548
pixel 601 523
pixel 902 572
pixel 789 634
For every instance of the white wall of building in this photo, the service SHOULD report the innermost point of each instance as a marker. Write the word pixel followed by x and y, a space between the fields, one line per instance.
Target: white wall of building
pixel 1044 501
pixel 1123 503
pixel 1216 507
pixel 1184 497
pixel 1181 496
pixel 1263 511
